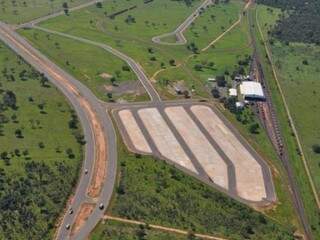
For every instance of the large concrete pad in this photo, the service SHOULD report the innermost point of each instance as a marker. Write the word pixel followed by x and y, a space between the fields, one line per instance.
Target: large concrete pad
pixel 135 134
pixel 163 138
pixel 249 176
pixel 197 139
pixel 208 157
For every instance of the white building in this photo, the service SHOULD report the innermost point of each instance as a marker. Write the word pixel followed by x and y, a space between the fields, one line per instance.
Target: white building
pixel 233 92
pixel 252 90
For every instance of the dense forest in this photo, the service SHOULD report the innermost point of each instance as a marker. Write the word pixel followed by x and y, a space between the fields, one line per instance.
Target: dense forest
pixel 300 23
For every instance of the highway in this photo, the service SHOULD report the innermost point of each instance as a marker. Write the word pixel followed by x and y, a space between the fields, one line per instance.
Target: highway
pixel 93 119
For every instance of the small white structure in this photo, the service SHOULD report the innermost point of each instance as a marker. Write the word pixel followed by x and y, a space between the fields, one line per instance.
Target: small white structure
pixel 251 90
pixel 233 92
pixel 211 79
pixel 239 105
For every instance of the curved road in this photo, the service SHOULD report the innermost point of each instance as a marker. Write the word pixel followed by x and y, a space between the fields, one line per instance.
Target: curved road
pixel 56 14
pixel 137 69
pixel 178 33
pixel 93 119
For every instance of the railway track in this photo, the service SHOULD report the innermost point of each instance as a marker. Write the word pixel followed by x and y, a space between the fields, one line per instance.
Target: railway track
pixel 268 117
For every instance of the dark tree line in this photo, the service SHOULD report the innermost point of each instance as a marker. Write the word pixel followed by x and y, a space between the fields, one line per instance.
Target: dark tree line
pixel 302 22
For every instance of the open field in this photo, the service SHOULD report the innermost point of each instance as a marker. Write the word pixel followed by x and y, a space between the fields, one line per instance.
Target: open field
pixel 114 231
pixel 133 37
pixel 99 70
pixel 298 72
pixel 152 191
pixel 309 202
pixel 214 20
pixel 41 151
pixel 20 11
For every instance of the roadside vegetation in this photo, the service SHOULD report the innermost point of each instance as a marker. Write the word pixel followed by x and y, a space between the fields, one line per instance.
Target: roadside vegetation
pixel 298 83
pixel 20 11
pixel 113 230
pixel 152 191
pixel 41 151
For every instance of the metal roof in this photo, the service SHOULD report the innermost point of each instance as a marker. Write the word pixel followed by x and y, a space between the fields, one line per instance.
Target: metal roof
pixel 251 89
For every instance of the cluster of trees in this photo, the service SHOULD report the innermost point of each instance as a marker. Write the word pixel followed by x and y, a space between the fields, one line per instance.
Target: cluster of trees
pixel 33 190
pixel 42 188
pixel 150 189
pixel 299 23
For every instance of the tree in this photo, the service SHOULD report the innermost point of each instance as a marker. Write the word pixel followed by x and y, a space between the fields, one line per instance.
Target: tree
pixel 70 153
pixel 141 232
pixel 254 128
pixel 9 99
pixel 172 62
pixel 44 80
pixel 4 155
pixel 65 8
pixel 126 68
pixel 221 81
pixel 18 133
pixel 215 92
pixel 316 148
pixel 198 67
pixel 99 4
pixel 113 81
pixel 41 145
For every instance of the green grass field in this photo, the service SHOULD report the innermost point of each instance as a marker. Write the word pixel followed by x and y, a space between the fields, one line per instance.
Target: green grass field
pixel 93 66
pixel 131 32
pixel 223 57
pixel 152 191
pixel 20 11
pixel 298 75
pixel 112 230
pixel 293 91
pixel 212 22
pixel 40 152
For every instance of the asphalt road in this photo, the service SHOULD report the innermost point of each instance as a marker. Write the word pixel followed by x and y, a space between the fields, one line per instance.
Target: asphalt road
pixel 182 27
pixel 137 69
pixel 75 92
pixel 56 14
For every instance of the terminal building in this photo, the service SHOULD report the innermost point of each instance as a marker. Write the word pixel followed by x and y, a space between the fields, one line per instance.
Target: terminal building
pixel 251 90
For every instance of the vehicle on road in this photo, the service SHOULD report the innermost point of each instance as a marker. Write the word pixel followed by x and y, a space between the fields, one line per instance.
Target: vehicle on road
pixel 68 226
pixel 101 206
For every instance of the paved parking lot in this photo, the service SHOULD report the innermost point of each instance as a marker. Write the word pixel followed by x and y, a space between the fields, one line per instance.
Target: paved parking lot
pixel 199 140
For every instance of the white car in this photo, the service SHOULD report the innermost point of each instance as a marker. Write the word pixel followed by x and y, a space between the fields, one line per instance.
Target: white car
pixel 101 206
pixel 86 171
pixel 68 226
